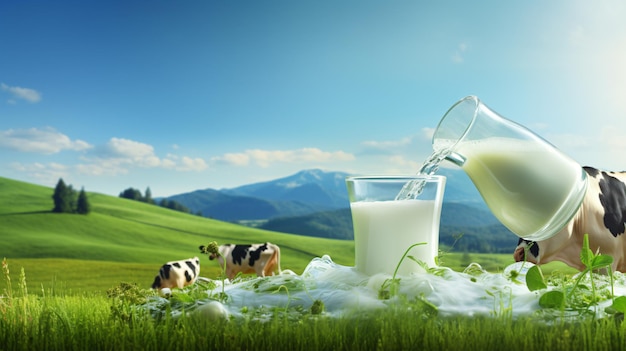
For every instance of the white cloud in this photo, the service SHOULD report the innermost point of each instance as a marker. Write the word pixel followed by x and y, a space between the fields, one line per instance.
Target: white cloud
pixel 101 169
pixel 235 159
pixel 427 133
pixel 264 158
pixel 125 148
pixel 387 144
pixel 118 155
pixel 192 164
pixel 45 173
pixel 184 163
pixel 168 163
pixel 458 57
pixel 27 94
pixel 405 144
pixel 45 141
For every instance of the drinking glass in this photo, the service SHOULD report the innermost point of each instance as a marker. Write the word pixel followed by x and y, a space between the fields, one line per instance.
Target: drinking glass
pixel 384 228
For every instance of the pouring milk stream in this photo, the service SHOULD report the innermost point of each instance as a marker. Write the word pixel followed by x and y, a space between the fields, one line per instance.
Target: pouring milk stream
pixel 528 184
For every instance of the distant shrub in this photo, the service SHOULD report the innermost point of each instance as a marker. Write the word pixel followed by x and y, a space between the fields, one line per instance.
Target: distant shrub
pixel 135 194
pixel 66 200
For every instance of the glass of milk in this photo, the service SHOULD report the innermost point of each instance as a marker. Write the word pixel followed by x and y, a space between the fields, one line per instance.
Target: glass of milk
pixel 384 228
pixel 529 185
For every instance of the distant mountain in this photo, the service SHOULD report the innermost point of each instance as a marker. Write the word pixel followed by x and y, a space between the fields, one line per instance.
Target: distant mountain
pixel 300 194
pixel 314 186
pixel 219 205
pixel 303 193
pixel 463 227
pixel 336 224
pixel 315 203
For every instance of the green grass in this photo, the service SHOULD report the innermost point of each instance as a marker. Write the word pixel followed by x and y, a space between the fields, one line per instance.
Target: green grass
pixel 124 240
pixel 127 241
pixel 62 267
pixel 89 323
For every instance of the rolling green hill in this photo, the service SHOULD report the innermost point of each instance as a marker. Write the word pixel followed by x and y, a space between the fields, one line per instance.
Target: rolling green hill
pixel 119 232
pixel 127 241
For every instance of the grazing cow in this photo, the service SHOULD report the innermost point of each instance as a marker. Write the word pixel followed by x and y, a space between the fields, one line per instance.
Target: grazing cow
pixel 262 259
pixel 602 215
pixel 177 274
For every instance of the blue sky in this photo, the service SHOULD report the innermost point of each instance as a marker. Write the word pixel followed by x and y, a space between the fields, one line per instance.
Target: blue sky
pixel 179 96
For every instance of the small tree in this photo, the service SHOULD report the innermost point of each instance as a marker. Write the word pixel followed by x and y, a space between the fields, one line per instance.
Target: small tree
pixel 132 194
pixel 72 196
pixel 62 198
pixel 83 207
pixel 148 196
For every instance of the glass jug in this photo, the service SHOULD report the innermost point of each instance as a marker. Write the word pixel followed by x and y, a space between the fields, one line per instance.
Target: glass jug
pixel 529 185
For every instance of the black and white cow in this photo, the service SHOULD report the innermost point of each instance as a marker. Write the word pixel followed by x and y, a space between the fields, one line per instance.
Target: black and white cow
pixel 602 216
pixel 177 274
pixel 262 259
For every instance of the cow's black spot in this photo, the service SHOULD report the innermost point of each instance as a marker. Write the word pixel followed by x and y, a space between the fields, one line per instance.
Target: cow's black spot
pixel 239 253
pixel 531 246
pixel 176 264
pixel 165 271
pixel 591 171
pixel 188 276
pixel 157 282
pixel 256 254
pixel 613 199
pixel 193 270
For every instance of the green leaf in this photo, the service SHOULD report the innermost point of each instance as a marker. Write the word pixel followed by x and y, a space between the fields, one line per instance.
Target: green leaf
pixel 552 299
pixel 619 304
pixel 586 255
pixel 601 261
pixel 534 279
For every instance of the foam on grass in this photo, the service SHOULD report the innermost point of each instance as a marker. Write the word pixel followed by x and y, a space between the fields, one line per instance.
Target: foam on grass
pixel 344 291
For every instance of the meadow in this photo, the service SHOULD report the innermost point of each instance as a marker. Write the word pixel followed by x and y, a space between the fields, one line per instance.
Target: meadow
pixel 123 240
pixel 127 241
pixel 113 322
pixel 75 282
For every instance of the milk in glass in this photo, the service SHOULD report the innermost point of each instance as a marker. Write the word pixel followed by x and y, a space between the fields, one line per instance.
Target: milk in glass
pixel 384 230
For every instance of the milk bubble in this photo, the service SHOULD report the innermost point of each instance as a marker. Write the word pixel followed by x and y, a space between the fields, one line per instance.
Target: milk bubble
pixel 344 291
pixel 214 310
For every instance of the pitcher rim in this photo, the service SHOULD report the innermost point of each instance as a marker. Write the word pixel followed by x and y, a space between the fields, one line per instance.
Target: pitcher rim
pixel 476 102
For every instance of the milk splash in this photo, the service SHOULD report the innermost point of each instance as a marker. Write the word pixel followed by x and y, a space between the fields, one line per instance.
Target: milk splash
pixel 430 166
pixel 344 291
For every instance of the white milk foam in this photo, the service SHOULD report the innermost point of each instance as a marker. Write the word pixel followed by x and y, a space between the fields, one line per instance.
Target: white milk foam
pixel 344 290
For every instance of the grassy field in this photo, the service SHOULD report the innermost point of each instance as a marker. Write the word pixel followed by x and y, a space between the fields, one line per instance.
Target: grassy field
pixel 62 269
pixel 80 323
pixel 123 240
pixel 127 241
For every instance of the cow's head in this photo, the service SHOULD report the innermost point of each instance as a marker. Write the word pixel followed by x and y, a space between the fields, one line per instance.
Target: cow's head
pixel 212 250
pixel 526 251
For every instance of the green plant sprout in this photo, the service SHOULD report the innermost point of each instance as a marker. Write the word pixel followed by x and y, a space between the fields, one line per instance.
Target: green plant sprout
pixel 213 248
pixel 439 259
pixel 390 287
pixel 499 307
pixel 7 278
pixel 562 299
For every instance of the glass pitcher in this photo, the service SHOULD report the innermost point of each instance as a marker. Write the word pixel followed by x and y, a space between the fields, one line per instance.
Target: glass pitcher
pixel 529 185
